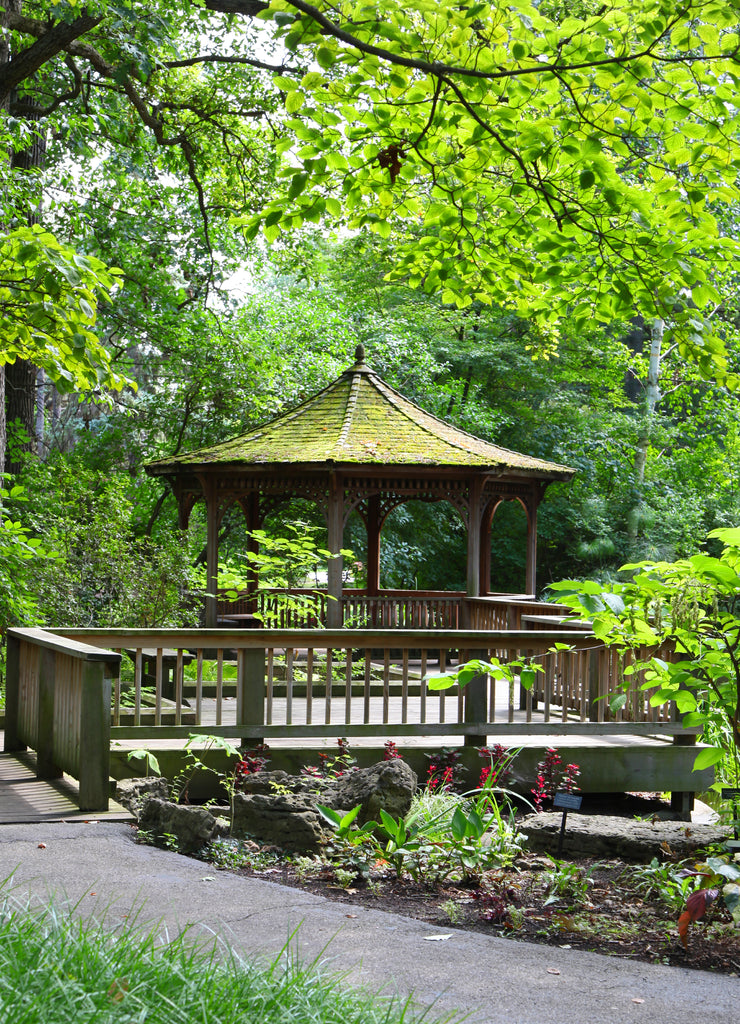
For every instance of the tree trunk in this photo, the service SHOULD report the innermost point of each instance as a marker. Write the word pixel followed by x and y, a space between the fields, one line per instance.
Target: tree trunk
pixel 652 397
pixel 20 377
pixel 20 410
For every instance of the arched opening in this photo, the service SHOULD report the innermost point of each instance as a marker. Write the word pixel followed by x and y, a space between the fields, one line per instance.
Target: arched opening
pixel 508 541
pixel 423 547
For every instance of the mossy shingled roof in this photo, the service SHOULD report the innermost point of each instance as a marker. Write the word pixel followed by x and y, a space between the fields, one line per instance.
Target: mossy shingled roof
pixel 359 419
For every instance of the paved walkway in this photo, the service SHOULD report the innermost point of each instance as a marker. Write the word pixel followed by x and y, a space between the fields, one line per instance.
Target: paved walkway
pixel 100 871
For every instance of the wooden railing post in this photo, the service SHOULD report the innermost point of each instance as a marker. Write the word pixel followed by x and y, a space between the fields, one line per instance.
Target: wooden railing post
pixel 12 694
pixel 476 701
pixel 45 765
pixel 95 714
pixel 250 691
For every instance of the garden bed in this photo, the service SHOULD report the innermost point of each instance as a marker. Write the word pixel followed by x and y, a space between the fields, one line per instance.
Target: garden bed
pixel 605 906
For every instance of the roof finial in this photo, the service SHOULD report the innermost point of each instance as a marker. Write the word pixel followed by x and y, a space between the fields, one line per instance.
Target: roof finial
pixel 360 354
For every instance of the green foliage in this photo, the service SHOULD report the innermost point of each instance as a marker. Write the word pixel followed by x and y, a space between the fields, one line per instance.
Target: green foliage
pixel 102 573
pixel 535 152
pixel 49 298
pixel 197 745
pixel 691 605
pixel 22 556
pixel 59 968
pixel 151 764
pixel 567 881
pixel 468 671
pixel 671 883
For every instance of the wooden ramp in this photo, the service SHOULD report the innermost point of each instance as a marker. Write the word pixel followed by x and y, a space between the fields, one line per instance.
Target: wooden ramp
pixel 24 798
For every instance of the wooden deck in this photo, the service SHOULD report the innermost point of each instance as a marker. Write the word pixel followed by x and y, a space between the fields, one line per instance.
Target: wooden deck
pixel 24 798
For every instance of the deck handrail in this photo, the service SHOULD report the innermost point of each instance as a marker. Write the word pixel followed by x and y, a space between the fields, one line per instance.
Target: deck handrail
pixel 68 693
pixel 58 701
pixel 336 674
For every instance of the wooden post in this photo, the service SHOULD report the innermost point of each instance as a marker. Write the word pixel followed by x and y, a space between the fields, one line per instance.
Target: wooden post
pixel 95 736
pixel 373 545
pixel 335 521
pixel 211 557
pixel 682 802
pixel 474 532
pixel 250 690
pixel 476 701
pixel 530 585
pixel 485 553
pixel 12 693
pixel 253 523
pixel 45 766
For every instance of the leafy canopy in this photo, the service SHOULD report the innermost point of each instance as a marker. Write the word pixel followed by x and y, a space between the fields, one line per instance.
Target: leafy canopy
pixel 48 304
pixel 535 153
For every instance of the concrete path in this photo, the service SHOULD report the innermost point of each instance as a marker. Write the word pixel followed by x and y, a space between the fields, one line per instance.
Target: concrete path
pixel 102 872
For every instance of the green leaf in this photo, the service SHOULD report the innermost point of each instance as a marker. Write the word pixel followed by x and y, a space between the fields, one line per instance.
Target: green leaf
pixel 586 179
pixel 617 703
pixel 707 757
pixel 527 677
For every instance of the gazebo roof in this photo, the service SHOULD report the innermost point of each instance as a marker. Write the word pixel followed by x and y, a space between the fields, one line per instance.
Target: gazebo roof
pixel 358 420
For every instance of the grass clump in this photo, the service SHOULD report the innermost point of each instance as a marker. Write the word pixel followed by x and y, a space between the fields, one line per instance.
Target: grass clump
pixel 56 969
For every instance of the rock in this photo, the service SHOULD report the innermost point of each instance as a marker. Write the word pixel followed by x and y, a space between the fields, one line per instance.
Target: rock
pixel 191 827
pixel 388 784
pixel 599 835
pixel 281 809
pixel 288 820
pixel 131 793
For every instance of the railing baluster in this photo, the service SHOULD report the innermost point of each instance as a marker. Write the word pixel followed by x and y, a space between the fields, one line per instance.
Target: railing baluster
pixel 386 684
pixel 309 685
pixel 158 688
pixel 405 686
pixel 138 674
pixel 423 689
pixel 289 654
pixel 442 668
pixel 117 693
pixel 178 687
pixel 348 687
pixel 270 684
pixel 199 687
pixel 329 670
pixel 368 683
pixel 219 685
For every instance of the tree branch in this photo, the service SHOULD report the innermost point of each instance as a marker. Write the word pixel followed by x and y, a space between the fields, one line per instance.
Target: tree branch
pixel 49 43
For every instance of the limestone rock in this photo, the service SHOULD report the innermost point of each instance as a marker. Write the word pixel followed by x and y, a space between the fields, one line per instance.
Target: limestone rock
pixel 192 827
pixel 597 835
pixel 388 784
pixel 287 820
pixel 131 793
pixel 281 809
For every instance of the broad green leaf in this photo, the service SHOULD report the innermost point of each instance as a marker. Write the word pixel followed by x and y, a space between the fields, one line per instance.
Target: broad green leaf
pixel 707 757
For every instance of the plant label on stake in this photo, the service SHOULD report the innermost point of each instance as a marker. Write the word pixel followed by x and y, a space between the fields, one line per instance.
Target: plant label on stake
pixel 568 802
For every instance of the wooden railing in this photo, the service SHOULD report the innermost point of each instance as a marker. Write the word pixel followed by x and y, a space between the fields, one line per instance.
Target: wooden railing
pixel 70 692
pixel 58 702
pixel 513 611
pixel 303 608
pixel 326 683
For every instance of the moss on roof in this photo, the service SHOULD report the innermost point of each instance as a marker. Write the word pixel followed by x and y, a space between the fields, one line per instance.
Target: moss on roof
pixel 359 419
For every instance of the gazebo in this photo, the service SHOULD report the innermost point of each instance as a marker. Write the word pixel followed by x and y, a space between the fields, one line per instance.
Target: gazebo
pixel 359 445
